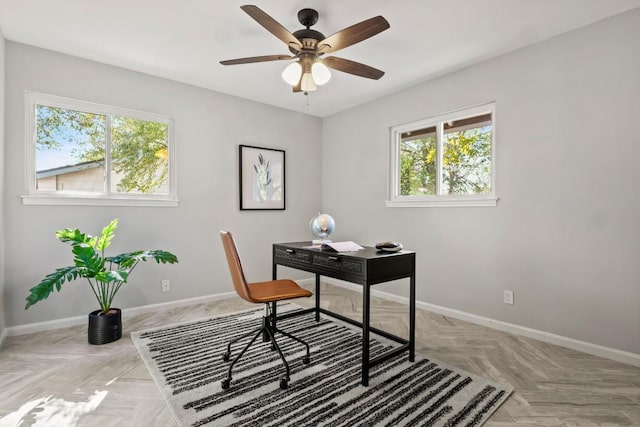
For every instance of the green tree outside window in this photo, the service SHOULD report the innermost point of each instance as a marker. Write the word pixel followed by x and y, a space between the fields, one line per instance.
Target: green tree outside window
pixel 466 161
pixel 139 148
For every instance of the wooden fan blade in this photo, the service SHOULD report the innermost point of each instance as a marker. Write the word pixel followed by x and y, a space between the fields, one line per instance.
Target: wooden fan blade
pixel 251 59
pixel 272 26
pixel 353 34
pixel 352 67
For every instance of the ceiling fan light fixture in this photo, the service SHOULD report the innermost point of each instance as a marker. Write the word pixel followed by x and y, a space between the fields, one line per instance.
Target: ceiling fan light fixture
pixel 307 84
pixel 320 73
pixel 308 45
pixel 292 73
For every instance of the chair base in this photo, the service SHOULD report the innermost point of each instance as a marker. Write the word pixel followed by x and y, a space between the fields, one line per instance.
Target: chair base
pixel 268 331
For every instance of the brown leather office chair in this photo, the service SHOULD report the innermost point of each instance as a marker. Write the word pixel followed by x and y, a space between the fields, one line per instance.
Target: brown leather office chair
pixel 260 292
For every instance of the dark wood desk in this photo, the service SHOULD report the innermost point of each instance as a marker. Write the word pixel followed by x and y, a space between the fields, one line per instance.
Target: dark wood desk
pixel 366 267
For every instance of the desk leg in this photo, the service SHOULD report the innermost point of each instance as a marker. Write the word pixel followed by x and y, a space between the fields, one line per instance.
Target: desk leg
pixel 274 313
pixel 412 316
pixel 265 335
pixel 366 306
pixel 317 297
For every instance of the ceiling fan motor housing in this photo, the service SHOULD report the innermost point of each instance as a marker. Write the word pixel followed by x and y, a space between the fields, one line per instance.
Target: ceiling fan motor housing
pixel 308 17
pixel 308 37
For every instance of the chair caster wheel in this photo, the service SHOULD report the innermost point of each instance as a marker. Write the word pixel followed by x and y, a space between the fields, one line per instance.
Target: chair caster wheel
pixel 306 360
pixel 284 383
pixel 225 384
pixel 226 357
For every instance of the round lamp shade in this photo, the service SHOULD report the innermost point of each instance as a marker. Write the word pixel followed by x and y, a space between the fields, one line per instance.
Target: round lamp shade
pixel 292 73
pixel 320 73
pixel 322 225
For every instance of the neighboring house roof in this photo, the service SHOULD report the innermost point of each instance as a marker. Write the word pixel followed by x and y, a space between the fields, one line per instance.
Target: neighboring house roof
pixel 61 170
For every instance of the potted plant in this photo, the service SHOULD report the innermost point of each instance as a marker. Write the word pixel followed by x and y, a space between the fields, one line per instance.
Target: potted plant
pixel 105 276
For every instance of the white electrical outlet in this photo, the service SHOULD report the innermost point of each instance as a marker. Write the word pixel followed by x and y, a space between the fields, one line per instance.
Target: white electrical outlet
pixel 508 296
pixel 166 285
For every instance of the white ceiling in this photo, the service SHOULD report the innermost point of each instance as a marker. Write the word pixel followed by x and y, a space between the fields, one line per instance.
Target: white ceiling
pixel 184 40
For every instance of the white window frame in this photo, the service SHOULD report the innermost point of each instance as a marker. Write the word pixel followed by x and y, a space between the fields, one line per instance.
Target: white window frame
pixel 107 198
pixel 395 199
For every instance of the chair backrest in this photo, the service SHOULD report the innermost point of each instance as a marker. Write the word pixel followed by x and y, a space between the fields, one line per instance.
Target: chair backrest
pixel 235 266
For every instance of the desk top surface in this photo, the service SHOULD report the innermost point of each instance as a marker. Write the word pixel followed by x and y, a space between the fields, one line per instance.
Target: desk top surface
pixel 367 253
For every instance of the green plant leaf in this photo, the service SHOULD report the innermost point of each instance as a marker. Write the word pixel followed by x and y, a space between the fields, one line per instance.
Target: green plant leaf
pixel 87 257
pixel 129 259
pixel 114 276
pixel 53 280
pixel 73 237
pixel 108 233
pixel 163 257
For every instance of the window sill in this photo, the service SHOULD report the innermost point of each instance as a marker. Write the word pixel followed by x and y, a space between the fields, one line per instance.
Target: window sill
pixel 457 202
pixel 98 200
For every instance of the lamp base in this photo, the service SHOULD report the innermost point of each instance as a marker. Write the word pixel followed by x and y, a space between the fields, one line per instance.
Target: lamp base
pixel 320 241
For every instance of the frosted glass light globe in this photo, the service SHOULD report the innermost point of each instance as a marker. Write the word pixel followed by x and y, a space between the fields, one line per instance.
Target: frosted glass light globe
pixel 320 73
pixel 292 73
pixel 307 84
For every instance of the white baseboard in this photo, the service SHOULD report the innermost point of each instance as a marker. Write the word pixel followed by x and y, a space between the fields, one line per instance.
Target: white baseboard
pixel 47 325
pixel 583 346
pixel 307 282
pixel 126 313
pixel 134 311
pixel 586 347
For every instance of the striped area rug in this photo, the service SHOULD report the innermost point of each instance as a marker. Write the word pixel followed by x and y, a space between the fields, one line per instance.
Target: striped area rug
pixel 186 362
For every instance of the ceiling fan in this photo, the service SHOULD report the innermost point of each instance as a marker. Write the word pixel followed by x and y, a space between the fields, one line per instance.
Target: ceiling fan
pixel 308 46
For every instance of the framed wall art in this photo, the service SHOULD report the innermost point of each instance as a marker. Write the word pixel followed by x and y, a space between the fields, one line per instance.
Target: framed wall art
pixel 261 178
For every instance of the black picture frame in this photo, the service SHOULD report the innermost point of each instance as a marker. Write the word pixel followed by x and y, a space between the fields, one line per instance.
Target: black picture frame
pixel 262 178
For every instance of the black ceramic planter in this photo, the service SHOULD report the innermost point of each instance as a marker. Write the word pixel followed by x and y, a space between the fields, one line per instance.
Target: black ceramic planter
pixel 105 328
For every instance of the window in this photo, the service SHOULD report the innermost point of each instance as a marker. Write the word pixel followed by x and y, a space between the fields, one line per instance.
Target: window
pixel 90 154
pixel 446 160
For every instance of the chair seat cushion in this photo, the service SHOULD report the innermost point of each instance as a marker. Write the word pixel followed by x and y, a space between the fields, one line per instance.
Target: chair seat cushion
pixel 276 290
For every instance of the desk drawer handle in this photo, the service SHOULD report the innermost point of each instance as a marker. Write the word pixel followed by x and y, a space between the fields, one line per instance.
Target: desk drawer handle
pixel 290 251
pixel 334 258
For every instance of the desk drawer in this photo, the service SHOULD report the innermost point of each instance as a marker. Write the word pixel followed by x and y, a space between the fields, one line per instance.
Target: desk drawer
pixel 339 264
pixel 292 255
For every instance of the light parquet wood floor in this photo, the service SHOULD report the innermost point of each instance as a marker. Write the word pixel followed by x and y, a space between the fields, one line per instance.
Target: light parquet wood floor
pixel 109 385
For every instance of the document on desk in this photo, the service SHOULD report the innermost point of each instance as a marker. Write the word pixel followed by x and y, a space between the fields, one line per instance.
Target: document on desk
pixel 342 246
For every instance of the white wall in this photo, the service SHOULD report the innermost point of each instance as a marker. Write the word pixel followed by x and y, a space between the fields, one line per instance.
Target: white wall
pixel 2 224
pixel 209 128
pixel 565 234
